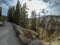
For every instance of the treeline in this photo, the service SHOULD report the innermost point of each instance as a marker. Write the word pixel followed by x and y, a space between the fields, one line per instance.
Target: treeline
pixel 18 14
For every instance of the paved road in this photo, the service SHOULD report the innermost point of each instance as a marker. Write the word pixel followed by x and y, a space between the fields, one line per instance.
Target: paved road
pixel 7 35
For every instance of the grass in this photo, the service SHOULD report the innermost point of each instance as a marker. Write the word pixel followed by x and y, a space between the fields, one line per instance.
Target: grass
pixel 56 41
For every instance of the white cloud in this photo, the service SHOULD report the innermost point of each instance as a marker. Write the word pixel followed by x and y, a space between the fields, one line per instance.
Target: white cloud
pixel 54 7
pixel 36 5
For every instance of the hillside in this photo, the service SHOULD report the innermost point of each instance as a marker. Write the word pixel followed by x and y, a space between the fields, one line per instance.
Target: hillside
pixel 50 26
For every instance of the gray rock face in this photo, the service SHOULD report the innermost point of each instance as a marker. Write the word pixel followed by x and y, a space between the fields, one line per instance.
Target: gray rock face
pixel 24 39
pixel 36 42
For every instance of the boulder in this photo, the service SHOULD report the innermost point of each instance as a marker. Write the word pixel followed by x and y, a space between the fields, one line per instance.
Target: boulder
pixel 24 39
pixel 30 34
pixel 36 42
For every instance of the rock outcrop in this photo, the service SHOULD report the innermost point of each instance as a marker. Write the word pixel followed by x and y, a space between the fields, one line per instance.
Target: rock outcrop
pixel 25 35
pixel 36 42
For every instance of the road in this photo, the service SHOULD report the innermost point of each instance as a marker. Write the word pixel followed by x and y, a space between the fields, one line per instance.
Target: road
pixel 7 35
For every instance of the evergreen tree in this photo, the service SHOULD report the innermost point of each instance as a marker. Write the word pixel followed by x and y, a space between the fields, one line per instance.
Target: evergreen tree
pixel 0 13
pixel 39 19
pixel 33 20
pixel 17 13
pixel 10 14
pixel 23 16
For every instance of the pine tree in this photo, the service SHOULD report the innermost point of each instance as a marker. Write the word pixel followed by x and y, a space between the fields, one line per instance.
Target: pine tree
pixel 33 20
pixel 23 16
pixel 17 13
pixel 0 13
pixel 39 19
pixel 10 14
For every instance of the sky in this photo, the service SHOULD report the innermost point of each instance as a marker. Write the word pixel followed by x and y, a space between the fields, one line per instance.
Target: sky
pixel 47 7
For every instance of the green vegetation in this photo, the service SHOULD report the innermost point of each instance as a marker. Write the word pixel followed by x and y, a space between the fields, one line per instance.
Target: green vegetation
pixel 10 14
pixel 55 41
pixel 19 15
pixel 33 21
pixel 24 16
